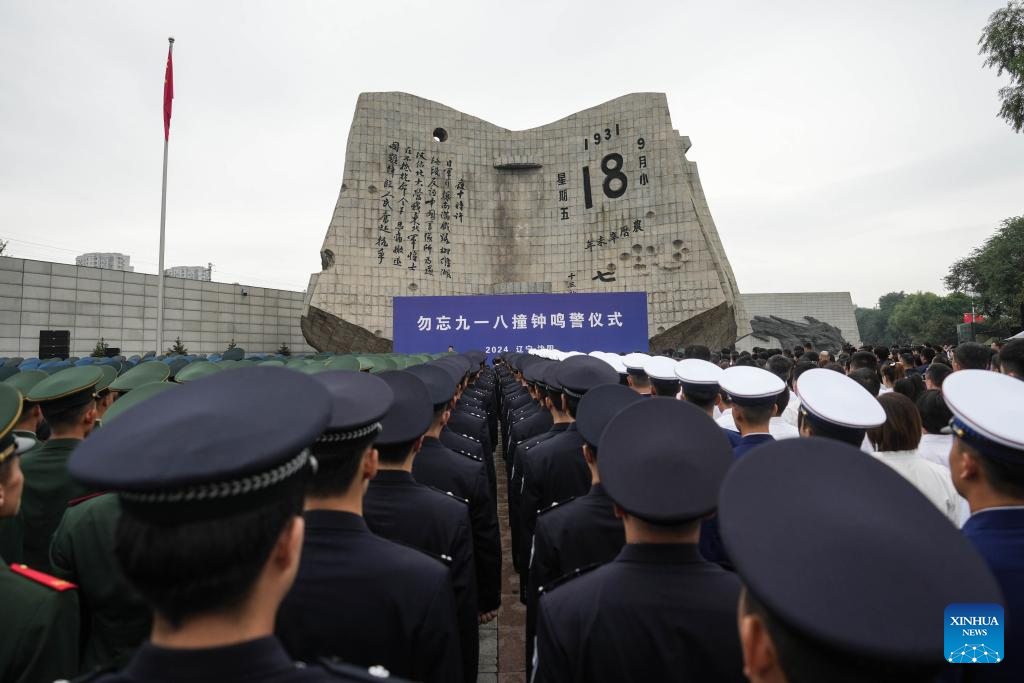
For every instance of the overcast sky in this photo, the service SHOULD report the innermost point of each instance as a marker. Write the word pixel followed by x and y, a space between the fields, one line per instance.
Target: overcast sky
pixel 853 146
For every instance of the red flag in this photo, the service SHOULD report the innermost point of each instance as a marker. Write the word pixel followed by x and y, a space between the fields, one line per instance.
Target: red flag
pixel 168 95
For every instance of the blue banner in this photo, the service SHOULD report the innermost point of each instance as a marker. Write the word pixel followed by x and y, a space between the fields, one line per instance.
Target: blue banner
pixel 519 322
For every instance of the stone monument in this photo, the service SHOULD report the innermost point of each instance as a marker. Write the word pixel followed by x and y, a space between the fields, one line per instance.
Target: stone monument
pixel 437 202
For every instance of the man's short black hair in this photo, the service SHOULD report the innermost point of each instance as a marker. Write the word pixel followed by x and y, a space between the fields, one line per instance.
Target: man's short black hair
pixel 780 366
pixel 927 353
pixel 699 396
pixel 1004 477
pixel 935 414
pixel 805 660
pixel 830 430
pixel 867 378
pixel 1011 358
pixel 881 353
pixel 863 359
pixel 937 373
pixel 395 453
pixel 337 465
pixel 911 386
pixel 757 414
pixel 65 418
pixel 698 351
pixel 972 356
pixel 800 368
pixel 194 568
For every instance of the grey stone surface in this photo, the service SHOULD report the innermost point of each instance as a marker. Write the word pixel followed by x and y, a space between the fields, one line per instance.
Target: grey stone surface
pixel 508 212
pixel 833 308
pixel 89 303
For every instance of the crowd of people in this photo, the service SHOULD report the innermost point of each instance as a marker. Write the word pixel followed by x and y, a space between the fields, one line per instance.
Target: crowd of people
pixel 780 515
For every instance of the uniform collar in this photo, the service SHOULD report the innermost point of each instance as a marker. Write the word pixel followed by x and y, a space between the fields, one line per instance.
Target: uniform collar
pixel 597 491
pixel 560 426
pixel 334 520
pixel 251 659
pixel 996 518
pixel 393 477
pixel 660 553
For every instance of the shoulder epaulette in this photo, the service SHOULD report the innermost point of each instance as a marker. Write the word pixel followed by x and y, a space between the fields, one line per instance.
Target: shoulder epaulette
pixel 468 436
pixel 347 671
pixel 78 501
pixel 567 577
pixel 449 494
pixel 554 505
pixel 468 454
pixel 52 582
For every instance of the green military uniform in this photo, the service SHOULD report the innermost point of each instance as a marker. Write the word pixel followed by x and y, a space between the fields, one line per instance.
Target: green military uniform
pixel 115 620
pixel 39 616
pixel 48 487
pixel 10 529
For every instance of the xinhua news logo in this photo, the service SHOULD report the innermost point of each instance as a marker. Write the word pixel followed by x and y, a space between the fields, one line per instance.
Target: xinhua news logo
pixel 974 633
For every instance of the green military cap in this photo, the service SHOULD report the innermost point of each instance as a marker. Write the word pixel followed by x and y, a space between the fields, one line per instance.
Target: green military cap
pixel 366 362
pixel 197 369
pixel 25 380
pixel 272 363
pixel 237 353
pixel 343 363
pixel 10 413
pixel 68 389
pixel 140 394
pixel 225 364
pixel 143 373
pixel 383 364
pixel 313 368
pixel 109 375
pixel 8 371
pixel 296 362
pixel 245 363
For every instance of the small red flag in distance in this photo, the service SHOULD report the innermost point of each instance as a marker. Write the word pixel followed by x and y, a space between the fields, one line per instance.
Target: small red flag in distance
pixel 168 95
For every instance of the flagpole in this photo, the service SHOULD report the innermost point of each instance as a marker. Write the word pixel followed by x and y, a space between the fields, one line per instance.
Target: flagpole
pixel 163 223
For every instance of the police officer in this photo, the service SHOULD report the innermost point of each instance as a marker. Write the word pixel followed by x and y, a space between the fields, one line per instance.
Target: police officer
pixel 849 586
pixel 68 403
pixel 465 476
pixel 400 509
pixel 661 371
pixel 555 470
pixel 39 621
pixel 116 620
pixel 987 466
pixel 753 393
pixel 583 531
pixel 834 406
pixel 358 596
pixel 635 375
pixel 657 611
pixel 210 530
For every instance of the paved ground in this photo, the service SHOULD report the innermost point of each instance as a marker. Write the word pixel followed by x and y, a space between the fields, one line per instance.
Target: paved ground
pixel 502 650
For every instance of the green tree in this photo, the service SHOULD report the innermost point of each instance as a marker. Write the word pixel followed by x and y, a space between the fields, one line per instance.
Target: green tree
pixel 231 344
pixel 873 323
pixel 177 348
pixel 927 317
pixel 995 273
pixel 100 350
pixel 284 350
pixel 1002 43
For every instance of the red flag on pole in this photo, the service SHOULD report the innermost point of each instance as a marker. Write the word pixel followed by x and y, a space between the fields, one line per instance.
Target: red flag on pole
pixel 168 94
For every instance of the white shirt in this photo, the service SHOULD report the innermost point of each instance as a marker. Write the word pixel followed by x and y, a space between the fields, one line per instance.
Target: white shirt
pixel 792 411
pixel 935 448
pixel 780 429
pixel 930 479
pixel 777 427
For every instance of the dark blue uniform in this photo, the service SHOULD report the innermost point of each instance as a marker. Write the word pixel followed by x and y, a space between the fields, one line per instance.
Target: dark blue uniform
pixel 572 535
pixel 749 442
pixel 522 453
pixel 260 661
pixel 554 471
pixel 999 537
pixel 398 508
pixel 370 601
pixel 438 466
pixel 655 613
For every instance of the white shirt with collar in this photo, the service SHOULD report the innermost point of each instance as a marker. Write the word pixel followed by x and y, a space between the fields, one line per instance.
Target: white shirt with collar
pixel 792 411
pixel 935 448
pixel 726 421
pixel 777 426
pixel 930 479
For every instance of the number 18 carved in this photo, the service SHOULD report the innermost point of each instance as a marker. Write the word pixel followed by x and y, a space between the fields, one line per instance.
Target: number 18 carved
pixel 611 166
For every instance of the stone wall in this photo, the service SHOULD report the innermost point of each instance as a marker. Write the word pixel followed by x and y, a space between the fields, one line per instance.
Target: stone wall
pixel 120 307
pixel 437 202
pixel 834 308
